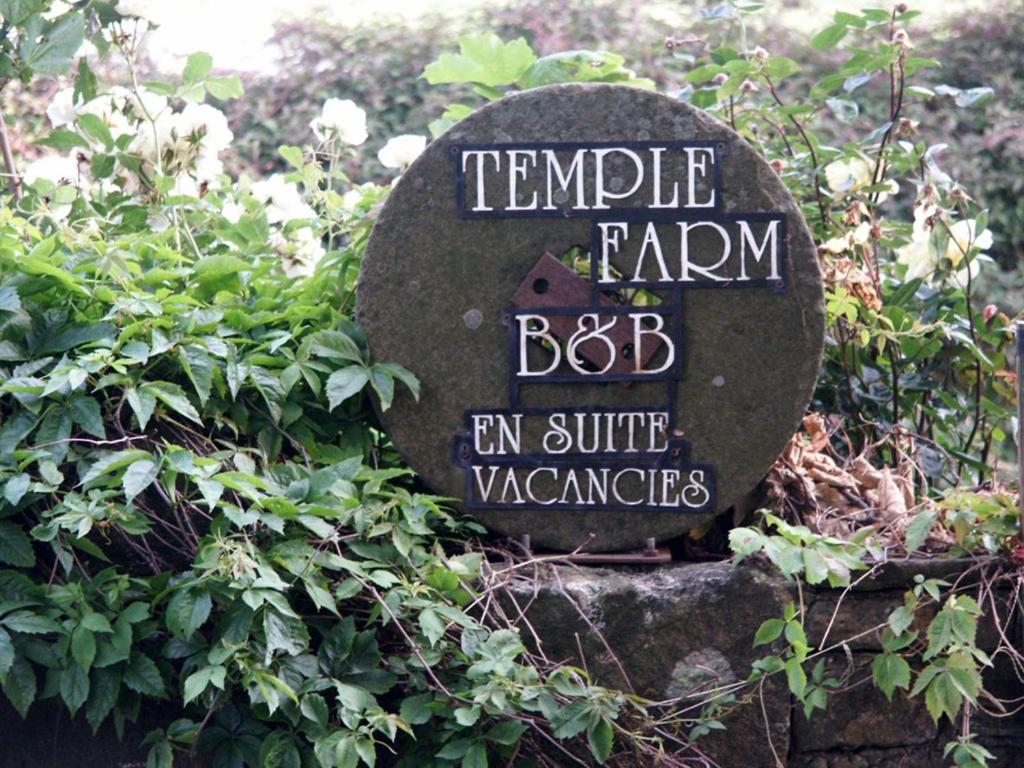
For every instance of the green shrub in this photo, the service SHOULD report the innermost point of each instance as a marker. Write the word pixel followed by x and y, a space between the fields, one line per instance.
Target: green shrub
pixel 197 502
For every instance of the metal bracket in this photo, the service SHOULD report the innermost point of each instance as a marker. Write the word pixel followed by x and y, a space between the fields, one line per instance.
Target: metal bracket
pixel 649 555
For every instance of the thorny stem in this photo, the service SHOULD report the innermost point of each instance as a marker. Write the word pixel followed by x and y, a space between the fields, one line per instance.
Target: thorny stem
pixel 14 180
pixel 819 195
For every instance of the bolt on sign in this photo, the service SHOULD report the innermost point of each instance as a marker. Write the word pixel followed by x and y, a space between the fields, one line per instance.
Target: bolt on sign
pixel 613 305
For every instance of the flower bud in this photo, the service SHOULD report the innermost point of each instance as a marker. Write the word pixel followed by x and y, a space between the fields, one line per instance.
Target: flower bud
pixel 990 311
pixel 778 165
pixel 720 78
pixel 901 8
pixel 902 39
pixel 760 54
pixel 749 86
pixel 907 127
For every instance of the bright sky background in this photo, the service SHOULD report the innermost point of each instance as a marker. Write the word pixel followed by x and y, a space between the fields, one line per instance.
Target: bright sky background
pixel 235 31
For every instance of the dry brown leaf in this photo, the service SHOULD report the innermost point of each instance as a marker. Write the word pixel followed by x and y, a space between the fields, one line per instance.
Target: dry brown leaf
pixel 814 425
pixel 866 474
pixel 892 506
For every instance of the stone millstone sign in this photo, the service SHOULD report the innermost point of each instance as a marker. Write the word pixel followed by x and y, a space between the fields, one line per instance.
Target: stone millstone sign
pixel 614 308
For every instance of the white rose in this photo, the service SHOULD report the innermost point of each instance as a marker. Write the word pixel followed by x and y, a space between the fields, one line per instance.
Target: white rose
pixel 58 169
pixel 282 199
pixel 232 211
pixel 109 108
pixel 352 198
pixel 61 109
pixel 847 175
pixel 207 124
pixel 132 7
pixel 341 117
pixel 400 151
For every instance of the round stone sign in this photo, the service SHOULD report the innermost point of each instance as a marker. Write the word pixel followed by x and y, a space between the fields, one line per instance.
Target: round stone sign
pixel 614 308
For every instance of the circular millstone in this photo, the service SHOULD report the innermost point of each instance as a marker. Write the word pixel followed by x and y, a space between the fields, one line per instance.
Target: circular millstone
pixel 442 293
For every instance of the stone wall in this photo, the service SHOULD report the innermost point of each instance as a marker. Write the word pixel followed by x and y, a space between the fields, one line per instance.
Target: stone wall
pixel 687 627
pixel 663 632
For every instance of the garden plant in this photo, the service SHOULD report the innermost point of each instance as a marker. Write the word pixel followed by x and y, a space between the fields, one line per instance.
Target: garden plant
pixel 199 511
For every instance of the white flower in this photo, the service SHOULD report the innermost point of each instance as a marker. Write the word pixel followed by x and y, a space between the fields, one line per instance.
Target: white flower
pixel 109 108
pixel 400 151
pixel 923 261
pixel 847 176
pixel 185 185
pixel 132 7
pixel 343 118
pixel 87 51
pixel 232 211
pixel 964 235
pixel 352 198
pixel 282 200
pixel 858 236
pixel 299 257
pixel 204 126
pixel 58 169
pixel 61 109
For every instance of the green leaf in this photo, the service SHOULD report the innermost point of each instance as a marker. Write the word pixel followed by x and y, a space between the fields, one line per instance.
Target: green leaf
pixel 890 671
pixel 160 755
pixel 600 737
pixel 74 687
pixel 484 59
pixel 227 87
pixel 336 346
pixel 407 377
pixel 829 37
pixel 53 53
pixel 344 383
pixel 85 412
pixel 63 139
pixel 20 686
pixel 16 487
pixel 6 653
pixel 15 546
pixel 97 130
pixel 314 708
pixel 769 631
pixel 30 623
pixel 796 677
pixel 196 683
pixel 816 568
pixel 199 369
pixel 105 684
pixel 187 611
pixel 507 732
pixel 284 633
pixel 415 710
pixel 475 757
pixel 919 527
pixel 138 477
pixel 143 676
pixel 278 750
pixel 846 111
pixel 974 97
pixel 142 404
pixel 111 463
pixel 83 647
pixel 383 385
pixel 197 67
pixel 901 619
pixel 173 397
